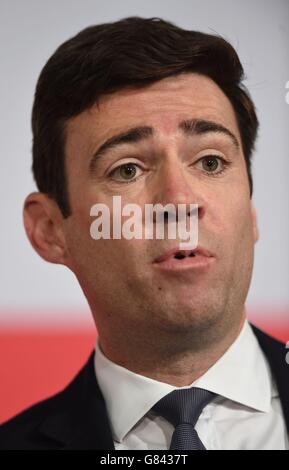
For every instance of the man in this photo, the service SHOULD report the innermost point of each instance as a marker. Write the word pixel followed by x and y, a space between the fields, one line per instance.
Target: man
pixel 155 114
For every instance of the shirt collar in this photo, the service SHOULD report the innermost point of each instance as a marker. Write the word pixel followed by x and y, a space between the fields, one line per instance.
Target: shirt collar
pixel 241 374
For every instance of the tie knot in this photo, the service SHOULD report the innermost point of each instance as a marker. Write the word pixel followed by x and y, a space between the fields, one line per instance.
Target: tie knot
pixel 184 405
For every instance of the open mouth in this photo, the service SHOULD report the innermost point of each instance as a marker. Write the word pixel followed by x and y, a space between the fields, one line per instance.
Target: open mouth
pixel 181 255
pixel 176 260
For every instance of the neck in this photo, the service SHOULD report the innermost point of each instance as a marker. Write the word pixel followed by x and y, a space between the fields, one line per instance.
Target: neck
pixel 178 361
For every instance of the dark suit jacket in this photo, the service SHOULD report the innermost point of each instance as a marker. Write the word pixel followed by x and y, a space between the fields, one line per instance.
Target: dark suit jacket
pixel 76 418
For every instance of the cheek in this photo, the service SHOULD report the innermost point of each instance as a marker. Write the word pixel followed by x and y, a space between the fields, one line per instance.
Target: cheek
pixel 242 237
pixel 100 260
pixel 245 224
pixel 233 225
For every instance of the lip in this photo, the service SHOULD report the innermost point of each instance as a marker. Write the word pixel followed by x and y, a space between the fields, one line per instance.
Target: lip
pixel 199 251
pixel 202 260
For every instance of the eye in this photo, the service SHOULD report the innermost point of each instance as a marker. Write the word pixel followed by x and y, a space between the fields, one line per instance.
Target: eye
pixel 213 164
pixel 126 172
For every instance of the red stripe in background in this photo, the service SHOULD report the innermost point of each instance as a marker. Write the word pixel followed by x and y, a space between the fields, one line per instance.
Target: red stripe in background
pixel 38 363
pixel 35 365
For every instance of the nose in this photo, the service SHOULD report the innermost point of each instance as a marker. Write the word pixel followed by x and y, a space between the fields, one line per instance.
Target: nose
pixel 176 185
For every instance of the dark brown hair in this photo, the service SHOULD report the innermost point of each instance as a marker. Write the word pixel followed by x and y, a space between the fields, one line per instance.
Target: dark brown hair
pixel 132 52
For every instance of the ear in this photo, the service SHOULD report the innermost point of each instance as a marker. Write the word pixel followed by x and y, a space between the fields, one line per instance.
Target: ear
pixel 43 224
pixel 254 222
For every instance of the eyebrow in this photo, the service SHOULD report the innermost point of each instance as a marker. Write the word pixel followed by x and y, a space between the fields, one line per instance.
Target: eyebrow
pixel 189 127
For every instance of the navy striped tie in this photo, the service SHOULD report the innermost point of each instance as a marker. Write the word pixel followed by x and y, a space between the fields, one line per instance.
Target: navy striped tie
pixel 182 409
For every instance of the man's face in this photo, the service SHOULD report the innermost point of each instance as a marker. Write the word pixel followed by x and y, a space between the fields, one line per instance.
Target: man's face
pixel 123 286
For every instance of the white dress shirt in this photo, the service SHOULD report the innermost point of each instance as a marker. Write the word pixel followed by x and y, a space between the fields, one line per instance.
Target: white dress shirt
pixel 246 415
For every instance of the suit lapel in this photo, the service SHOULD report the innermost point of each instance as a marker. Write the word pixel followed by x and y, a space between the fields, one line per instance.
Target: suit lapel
pixel 79 419
pixel 275 353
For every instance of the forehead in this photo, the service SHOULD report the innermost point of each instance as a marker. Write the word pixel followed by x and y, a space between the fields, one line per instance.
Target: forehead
pixel 161 105
pixel 182 93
